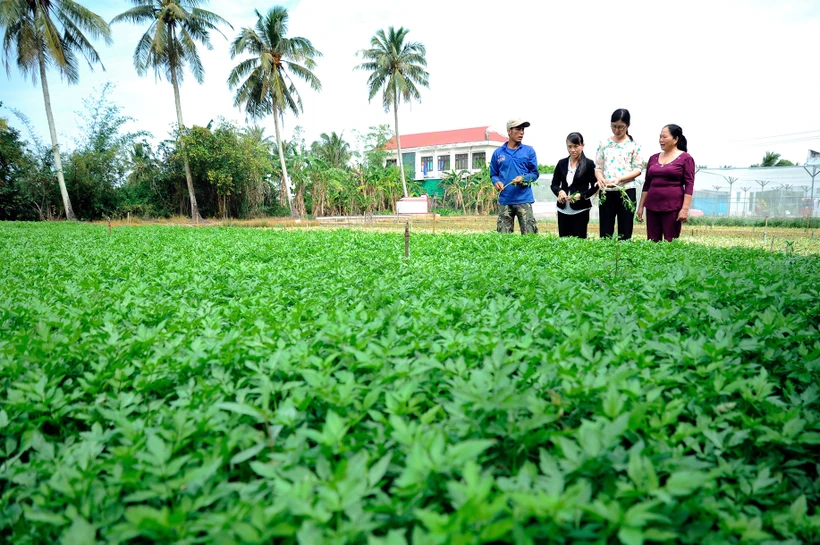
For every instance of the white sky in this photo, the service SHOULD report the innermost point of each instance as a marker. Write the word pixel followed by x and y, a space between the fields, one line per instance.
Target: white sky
pixel 734 74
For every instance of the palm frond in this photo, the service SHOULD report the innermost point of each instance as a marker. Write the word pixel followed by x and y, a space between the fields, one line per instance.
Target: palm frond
pixel 85 19
pixel 136 15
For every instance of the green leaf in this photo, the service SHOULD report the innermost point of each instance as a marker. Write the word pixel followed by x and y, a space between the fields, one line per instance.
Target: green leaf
pixel 247 454
pixel 334 429
pixel 497 530
pixel 435 522
pixel 377 470
pixel 793 427
pixel 640 514
pixel 80 533
pixel 810 438
pixel 242 408
pixel 653 534
pixel 555 478
pixel 268 471
pixel 763 480
pixel 613 403
pixel 798 509
pixel 470 450
pixel 683 483
pixel 146 517
pixel 589 437
pixel 156 446
pixel 630 536
pixel 37 515
pixel 569 449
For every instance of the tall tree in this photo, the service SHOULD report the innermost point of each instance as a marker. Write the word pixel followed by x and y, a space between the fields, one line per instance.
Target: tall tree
pixel 397 69
pixel 332 149
pixel 169 45
pixel 264 82
pixel 33 36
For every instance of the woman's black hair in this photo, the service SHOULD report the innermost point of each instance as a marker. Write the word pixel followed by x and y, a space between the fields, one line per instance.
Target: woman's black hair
pixel 622 114
pixel 677 132
pixel 575 138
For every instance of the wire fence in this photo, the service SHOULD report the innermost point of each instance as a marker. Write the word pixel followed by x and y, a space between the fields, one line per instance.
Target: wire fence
pixel 735 198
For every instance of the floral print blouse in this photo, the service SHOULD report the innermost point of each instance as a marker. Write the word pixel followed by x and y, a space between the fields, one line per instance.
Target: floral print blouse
pixel 618 159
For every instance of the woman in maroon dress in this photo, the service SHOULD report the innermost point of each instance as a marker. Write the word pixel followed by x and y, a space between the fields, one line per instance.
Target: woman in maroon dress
pixel 667 190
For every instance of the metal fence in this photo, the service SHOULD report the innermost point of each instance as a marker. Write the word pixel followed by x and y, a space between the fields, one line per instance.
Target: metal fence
pixel 777 192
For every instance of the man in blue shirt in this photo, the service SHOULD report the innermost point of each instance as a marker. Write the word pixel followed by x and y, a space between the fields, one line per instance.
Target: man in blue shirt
pixel 512 169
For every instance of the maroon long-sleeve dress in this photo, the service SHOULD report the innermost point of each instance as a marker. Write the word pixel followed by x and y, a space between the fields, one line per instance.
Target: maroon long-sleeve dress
pixel 665 187
pixel 667 184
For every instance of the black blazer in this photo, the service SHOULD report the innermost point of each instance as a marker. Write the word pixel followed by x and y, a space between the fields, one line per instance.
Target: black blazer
pixel 583 182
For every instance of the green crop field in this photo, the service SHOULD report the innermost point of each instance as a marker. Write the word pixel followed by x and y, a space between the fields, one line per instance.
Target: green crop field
pixel 225 385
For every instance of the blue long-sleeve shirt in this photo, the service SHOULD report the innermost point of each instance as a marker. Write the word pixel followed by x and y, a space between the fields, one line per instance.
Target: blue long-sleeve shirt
pixel 506 165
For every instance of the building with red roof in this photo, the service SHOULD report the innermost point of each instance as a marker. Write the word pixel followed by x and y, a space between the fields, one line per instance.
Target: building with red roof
pixel 428 155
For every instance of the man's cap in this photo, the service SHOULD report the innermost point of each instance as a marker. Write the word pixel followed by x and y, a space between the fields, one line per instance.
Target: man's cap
pixel 517 122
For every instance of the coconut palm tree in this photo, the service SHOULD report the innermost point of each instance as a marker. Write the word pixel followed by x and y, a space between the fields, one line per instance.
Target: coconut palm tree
pixel 397 70
pixel 264 82
pixel 169 45
pixel 44 33
pixel 770 159
pixel 332 149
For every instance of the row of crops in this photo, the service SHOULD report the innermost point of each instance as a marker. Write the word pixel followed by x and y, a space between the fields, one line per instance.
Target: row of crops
pixel 223 385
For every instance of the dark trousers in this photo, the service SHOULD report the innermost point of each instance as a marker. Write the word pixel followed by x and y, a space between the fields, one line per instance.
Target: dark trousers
pixel 574 225
pixel 614 208
pixel 662 224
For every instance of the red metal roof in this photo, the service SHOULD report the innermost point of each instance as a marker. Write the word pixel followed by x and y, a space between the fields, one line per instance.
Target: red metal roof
pixel 441 138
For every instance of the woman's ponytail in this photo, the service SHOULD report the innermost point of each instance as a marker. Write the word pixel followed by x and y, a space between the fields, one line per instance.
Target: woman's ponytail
pixel 676 132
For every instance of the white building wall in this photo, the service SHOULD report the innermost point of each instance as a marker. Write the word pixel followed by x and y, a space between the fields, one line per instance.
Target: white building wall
pixel 449 150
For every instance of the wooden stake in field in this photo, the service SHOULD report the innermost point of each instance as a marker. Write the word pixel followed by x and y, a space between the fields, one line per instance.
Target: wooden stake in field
pixel 407 238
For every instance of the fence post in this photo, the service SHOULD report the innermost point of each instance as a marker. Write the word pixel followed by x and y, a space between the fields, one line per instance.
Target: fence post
pixel 407 238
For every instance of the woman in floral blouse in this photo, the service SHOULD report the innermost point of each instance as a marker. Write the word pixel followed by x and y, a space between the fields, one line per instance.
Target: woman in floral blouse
pixel 618 162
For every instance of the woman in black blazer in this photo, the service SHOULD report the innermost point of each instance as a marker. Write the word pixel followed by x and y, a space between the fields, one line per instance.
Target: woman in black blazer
pixel 574 184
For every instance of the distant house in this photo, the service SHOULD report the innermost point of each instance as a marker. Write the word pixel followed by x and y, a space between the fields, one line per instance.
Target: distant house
pixel 428 156
pixel 813 158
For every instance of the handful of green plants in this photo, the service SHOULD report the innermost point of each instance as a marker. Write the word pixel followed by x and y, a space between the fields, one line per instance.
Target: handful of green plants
pixel 628 202
pixel 522 182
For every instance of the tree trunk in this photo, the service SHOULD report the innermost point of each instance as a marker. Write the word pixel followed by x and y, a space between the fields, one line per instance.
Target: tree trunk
pixel 55 145
pixel 189 179
pixel 285 178
pixel 398 142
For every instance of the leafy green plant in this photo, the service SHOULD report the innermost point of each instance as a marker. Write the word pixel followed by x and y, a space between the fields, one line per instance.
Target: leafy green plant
pixel 225 385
